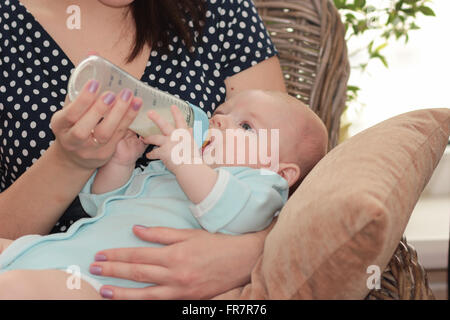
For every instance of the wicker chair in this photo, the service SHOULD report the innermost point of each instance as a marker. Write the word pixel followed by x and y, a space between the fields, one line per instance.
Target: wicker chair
pixel 309 36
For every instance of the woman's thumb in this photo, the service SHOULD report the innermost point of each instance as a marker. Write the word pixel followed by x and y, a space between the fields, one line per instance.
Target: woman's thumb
pixel 161 235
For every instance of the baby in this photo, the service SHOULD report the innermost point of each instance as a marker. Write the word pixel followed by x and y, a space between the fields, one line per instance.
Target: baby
pixel 231 196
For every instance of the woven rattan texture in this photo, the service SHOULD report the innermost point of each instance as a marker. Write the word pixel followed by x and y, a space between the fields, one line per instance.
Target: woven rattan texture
pixel 309 36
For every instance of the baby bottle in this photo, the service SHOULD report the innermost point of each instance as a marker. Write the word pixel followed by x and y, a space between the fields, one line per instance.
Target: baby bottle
pixel 114 79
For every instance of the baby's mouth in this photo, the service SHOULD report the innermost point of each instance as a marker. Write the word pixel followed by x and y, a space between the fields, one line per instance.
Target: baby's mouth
pixel 207 143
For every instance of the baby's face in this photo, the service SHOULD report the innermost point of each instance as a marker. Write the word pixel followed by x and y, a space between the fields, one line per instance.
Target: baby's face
pixel 247 130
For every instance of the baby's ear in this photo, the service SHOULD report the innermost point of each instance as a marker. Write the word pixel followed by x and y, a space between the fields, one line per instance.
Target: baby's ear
pixel 290 172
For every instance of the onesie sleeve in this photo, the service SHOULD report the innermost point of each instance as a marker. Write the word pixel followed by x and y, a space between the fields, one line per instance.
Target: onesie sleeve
pixel 243 202
pixel 91 202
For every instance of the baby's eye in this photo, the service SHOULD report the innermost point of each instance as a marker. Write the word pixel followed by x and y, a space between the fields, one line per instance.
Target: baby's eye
pixel 246 126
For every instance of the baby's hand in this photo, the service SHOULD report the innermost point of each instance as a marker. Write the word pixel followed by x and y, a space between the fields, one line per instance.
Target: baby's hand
pixel 128 150
pixel 166 144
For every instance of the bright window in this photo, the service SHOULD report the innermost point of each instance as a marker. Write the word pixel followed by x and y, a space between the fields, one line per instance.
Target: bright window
pixel 417 77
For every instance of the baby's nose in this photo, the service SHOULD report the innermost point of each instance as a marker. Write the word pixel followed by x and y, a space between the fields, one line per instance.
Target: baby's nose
pixel 216 121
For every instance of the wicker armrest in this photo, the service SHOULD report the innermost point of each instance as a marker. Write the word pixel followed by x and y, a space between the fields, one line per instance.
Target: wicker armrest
pixel 404 278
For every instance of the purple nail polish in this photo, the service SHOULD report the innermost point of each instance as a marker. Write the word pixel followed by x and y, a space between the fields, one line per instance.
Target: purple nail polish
pixel 126 94
pixel 109 98
pixel 95 270
pixel 93 86
pixel 100 257
pixel 137 106
pixel 106 293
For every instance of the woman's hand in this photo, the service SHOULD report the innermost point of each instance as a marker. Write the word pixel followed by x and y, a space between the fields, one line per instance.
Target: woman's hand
pixel 194 264
pixel 88 129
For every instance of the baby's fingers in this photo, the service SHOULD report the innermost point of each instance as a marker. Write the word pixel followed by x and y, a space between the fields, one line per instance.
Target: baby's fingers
pixel 155 154
pixel 180 121
pixel 165 127
pixel 156 139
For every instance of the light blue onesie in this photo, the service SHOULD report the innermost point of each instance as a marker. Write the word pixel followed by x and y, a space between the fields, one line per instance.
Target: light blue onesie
pixel 242 200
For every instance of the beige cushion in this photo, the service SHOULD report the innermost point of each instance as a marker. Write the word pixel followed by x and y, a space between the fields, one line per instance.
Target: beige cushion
pixel 350 212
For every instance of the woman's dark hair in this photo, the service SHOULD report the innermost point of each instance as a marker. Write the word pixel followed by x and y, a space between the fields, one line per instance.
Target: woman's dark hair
pixel 157 20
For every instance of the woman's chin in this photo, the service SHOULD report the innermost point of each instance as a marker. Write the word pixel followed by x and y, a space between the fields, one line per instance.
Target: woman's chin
pixel 116 3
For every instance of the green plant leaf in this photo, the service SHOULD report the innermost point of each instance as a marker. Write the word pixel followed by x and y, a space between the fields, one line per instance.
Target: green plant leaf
pixel 427 11
pixel 380 47
pixel 360 3
pixel 353 88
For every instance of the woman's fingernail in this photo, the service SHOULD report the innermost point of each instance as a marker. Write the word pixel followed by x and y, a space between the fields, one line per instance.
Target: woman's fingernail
pixel 109 98
pixel 126 94
pixel 139 227
pixel 93 86
pixel 95 270
pixel 100 257
pixel 137 105
pixel 106 293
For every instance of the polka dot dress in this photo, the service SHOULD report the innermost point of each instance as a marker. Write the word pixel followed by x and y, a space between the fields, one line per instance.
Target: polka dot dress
pixel 34 74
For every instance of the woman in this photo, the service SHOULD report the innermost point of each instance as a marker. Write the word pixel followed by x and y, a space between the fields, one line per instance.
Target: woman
pixel 222 50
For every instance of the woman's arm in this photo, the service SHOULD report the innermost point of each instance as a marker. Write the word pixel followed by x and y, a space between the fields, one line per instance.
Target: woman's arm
pixel 36 200
pixel 33 203
pixel 266 75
